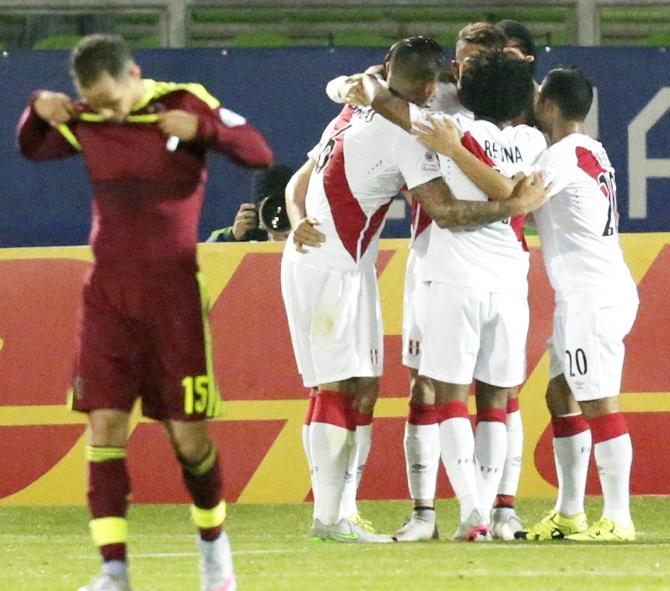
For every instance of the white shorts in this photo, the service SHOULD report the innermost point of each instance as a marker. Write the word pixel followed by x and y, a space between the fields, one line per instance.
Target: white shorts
pixel 472 333
pixel 413 311
pixel 335 322
pixel 587 347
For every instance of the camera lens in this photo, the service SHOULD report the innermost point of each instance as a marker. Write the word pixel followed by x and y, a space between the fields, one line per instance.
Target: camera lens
pixel 272 213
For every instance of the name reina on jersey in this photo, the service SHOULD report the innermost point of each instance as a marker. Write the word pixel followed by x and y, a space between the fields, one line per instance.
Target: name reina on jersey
pixel 493 257
pixel 362 162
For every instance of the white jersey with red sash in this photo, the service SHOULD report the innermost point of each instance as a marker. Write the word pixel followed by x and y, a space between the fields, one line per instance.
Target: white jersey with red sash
pixel 578 226
pixel 493 257
pixel 363 161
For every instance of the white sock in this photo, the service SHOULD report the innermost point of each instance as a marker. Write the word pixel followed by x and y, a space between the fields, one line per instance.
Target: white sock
pixel 331 448
pixel 509 483
pixel 422 459
pixel 571 455
pixel 490 454
pixel 614 458
pixel 308 454
pixel 357 461
pixel 457 445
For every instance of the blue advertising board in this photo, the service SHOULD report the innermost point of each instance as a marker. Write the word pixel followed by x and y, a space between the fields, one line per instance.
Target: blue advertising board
pixel 281 91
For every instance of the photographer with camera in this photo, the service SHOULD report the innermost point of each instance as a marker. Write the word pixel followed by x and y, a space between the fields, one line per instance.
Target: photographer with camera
pixel 266 218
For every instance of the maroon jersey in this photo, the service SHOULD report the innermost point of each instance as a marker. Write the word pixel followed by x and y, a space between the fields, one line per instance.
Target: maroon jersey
pixel 147 198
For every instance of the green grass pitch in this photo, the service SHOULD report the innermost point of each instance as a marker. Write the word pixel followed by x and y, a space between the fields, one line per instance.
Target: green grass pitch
pixel 49 549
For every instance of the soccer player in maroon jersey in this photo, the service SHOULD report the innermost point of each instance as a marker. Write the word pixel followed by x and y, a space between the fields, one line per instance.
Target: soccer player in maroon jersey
pixel 143 327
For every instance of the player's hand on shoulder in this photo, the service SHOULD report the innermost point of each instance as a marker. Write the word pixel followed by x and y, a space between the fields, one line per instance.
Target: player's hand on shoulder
pixel 360 90
pixel 181 124
pixel 306 234
pixel 54 107
pixel 439 134
pixel 529 193
pixel 245 220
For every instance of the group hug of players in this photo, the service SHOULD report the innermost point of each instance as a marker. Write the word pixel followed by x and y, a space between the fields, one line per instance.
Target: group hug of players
pixel 461 148
pixel 478 152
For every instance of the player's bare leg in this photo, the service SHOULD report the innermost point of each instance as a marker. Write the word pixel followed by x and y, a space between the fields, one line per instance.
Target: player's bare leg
pixel 198 456
pixel 614 456
pixel 572 450
pixel 332 444
pixel 457 446
pixel 108 491
pixel 422 460
pixel 504 520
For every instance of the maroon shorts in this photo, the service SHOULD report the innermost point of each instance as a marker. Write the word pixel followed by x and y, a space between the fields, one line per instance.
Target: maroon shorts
pixel 144 332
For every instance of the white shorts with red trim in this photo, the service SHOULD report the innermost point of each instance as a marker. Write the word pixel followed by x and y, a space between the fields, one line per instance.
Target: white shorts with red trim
pixel 471 334
pixel 588 348
pixel 413 311
pixel 335 321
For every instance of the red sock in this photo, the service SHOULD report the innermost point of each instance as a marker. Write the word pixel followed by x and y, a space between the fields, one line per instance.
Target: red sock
pixel 569 426
pixel 504 501
pixel 334 408
pixel 451 410
pixel 422 414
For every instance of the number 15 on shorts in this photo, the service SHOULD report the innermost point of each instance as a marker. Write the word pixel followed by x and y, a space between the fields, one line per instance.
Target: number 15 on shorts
pixel 196 393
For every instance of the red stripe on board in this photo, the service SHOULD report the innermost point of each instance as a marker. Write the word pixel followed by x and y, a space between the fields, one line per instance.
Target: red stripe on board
pixel 608 427
pixel 334 408
pixel 569 426
pixel 348 216
pixel 422 414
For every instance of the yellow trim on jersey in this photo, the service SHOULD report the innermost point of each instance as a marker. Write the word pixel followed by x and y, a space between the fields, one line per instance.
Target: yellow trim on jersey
pixel 209 518
pixel 95 118
pixel 214 398
pixel 154 90
pixel 96 455
pixel 68 134
pixel 109 530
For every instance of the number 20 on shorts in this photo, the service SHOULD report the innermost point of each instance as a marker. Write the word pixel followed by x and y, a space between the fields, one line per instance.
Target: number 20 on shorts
pixel 196 393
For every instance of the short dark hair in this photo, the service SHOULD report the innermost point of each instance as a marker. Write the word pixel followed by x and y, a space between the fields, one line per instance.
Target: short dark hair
pixel 418 59
pixel 515 30
pixel 571 90
pixel 496 86
pixel 482 33
pixel 96 54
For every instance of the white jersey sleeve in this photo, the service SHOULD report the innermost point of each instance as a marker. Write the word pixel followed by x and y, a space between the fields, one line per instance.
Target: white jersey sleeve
pixel 556 177
pixel 418 165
